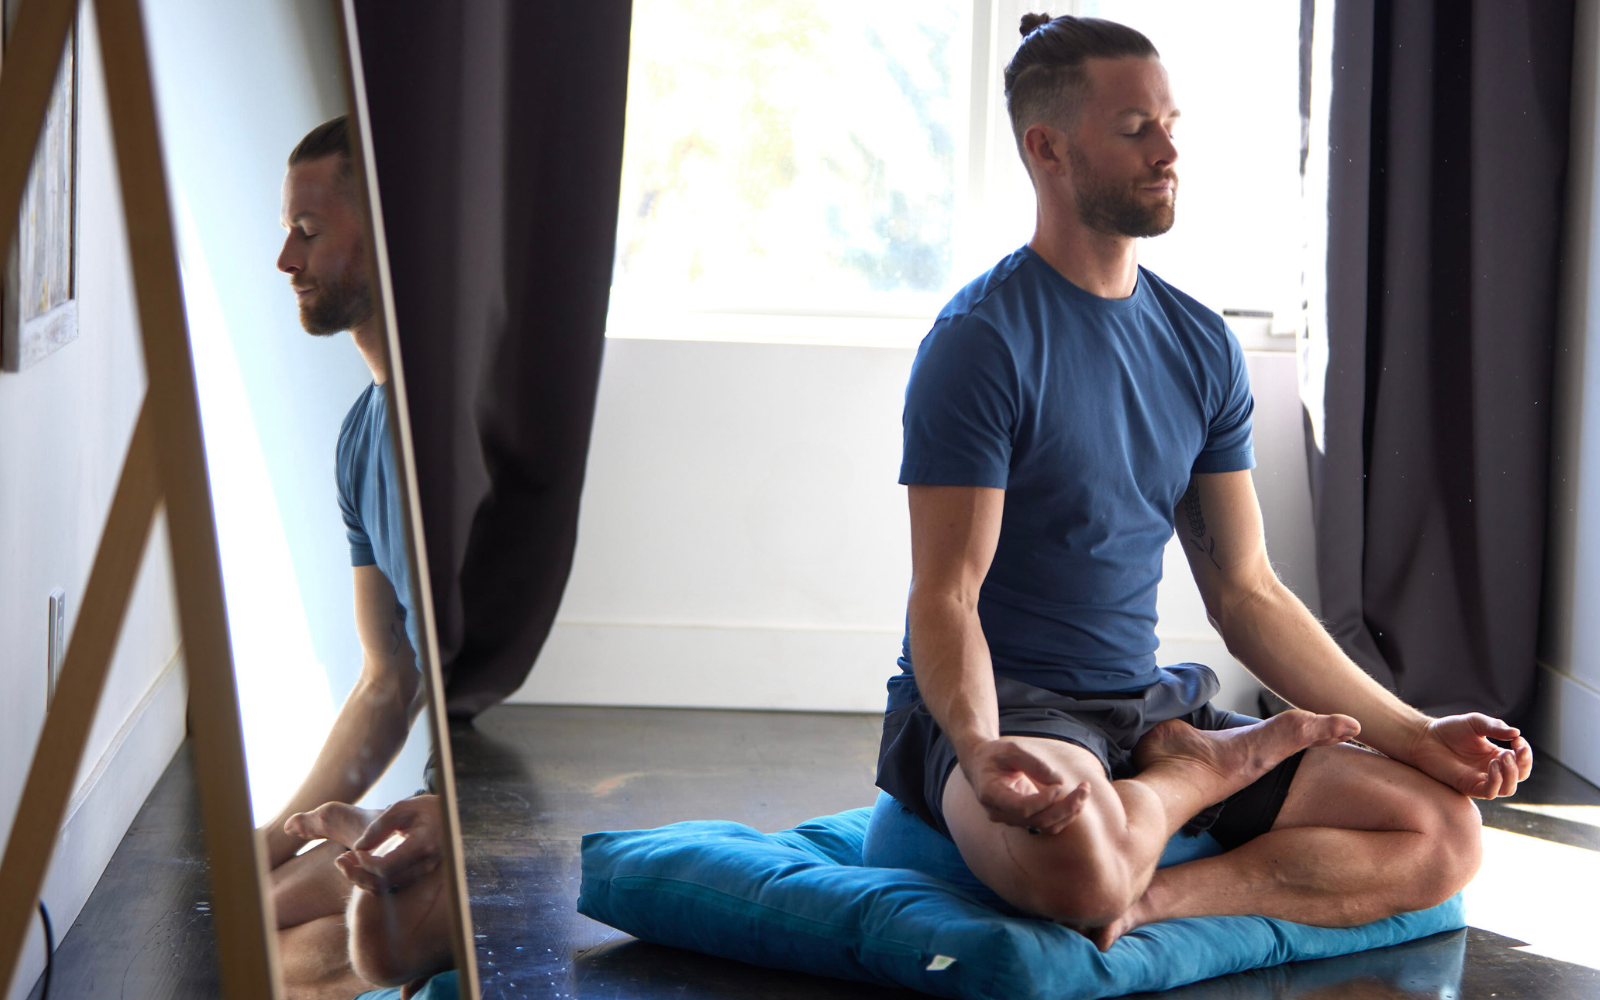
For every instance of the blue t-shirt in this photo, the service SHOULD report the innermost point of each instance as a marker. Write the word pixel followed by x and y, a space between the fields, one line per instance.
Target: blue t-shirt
pixel 1092 414
pixel 369 498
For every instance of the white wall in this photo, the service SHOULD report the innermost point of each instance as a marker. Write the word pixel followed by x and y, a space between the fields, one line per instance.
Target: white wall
pixel 743 542
pixel 64 427
pixel 1567 720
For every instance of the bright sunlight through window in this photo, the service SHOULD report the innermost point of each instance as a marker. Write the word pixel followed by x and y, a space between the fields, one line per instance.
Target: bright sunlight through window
pixel 830 171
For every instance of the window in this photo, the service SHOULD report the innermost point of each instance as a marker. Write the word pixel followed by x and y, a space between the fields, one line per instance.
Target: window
pixel 831 171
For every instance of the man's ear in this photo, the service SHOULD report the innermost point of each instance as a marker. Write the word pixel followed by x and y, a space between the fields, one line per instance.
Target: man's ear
pixel 1046 147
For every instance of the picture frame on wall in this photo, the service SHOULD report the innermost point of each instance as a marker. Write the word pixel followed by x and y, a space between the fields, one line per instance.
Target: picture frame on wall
pixel 38 306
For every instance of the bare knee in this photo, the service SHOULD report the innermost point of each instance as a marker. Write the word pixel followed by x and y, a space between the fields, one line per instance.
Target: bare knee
pixel 1088 890
pixel 1452 847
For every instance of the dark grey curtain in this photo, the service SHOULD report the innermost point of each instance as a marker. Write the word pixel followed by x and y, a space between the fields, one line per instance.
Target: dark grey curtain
pixel 498 132
pixel 1448 136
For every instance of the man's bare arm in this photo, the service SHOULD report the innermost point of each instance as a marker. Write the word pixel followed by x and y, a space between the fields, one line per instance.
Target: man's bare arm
pixel 1273 634
pixel 954 530
pixel 374 720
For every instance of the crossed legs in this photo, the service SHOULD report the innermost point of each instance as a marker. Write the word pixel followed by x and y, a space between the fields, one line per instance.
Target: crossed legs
pixel 311 896
pixel 1359 837
pixel 338 939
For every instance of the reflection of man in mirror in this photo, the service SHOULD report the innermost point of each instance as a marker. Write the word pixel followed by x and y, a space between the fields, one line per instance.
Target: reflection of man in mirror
pixel 325 256
pixel 1066 413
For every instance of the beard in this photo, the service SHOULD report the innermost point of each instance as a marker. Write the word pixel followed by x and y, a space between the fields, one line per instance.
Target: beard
pixel 340 303
pixel 1117 208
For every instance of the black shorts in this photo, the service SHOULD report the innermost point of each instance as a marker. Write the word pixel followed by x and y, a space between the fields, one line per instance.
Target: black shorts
pixel 915 759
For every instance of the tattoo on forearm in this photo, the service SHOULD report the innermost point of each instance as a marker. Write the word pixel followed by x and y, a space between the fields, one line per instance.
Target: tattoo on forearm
pixel 1191 510
pixel 397 629
pixel 1197 525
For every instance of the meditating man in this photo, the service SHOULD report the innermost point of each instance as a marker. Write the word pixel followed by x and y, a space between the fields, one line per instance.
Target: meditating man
pixel 324 255
pixel 1066 412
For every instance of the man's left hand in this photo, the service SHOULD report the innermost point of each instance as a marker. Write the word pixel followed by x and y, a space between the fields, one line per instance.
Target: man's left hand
pixel 1457 751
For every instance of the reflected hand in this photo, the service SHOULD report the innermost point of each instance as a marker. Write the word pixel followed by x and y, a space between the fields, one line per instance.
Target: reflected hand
pixel 418 826
pixel 1456 751
pixel 1019 788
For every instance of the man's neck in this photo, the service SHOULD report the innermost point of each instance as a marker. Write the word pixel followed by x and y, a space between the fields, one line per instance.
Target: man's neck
pixel 368 338
pixel 1099 263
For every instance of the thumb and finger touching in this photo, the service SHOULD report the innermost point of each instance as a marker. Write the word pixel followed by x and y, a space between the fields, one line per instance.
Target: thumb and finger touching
pixel 1020 788
pixel 398 847
pixel 1486 726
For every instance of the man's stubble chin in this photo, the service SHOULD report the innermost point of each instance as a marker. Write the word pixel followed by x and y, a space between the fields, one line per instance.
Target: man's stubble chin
pixel 1122 212
pixel 335 308
pixel 1118 209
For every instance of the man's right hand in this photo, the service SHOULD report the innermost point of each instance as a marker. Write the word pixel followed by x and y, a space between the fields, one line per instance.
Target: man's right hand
pixel 1019 788
pixel 419 824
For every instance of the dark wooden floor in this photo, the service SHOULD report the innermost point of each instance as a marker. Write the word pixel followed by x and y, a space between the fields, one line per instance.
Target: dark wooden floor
pixel 533 780
pixel 146 930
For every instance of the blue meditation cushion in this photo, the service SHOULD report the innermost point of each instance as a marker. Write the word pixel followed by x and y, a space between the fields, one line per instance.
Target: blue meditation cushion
pixel 804 900
pixel 440 987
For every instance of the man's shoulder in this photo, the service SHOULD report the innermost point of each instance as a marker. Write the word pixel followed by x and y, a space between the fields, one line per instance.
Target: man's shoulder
pixel 1182 308
pixel 356 434
pixel 984 316
pixel 986 295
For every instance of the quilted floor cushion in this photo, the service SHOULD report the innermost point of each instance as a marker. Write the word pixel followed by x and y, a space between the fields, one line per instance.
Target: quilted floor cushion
pixel 440 987
pixel 803 900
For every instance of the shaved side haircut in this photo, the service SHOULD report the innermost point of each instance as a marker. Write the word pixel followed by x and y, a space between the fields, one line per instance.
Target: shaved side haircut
pixel 1046 80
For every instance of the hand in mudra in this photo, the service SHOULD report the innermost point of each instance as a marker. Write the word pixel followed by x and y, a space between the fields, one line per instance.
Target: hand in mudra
pixel 387 850
pixel 399 847
pixel 1018 787
pixel 1457 751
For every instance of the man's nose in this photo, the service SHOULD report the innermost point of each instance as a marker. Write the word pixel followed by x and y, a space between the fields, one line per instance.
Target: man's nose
pixel 289 263
pixel 1167 151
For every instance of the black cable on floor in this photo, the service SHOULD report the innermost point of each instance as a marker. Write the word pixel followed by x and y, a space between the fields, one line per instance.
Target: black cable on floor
pixel 49 950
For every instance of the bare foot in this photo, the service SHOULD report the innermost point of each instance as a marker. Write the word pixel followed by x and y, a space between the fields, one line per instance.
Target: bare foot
pixel 1104 937
pixel 1236 757
pixel 343 824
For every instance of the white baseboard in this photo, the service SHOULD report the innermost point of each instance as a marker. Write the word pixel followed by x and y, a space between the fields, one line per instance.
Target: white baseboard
pixel 1566 722
pixel 789 669
pixel 103 808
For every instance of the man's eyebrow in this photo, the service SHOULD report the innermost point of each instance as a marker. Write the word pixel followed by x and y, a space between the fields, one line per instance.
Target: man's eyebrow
pixel 1146 113
pixel 295 219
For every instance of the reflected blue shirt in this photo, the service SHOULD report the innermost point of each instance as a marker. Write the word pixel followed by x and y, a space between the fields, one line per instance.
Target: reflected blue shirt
pixel 1092 414
pixel 367 472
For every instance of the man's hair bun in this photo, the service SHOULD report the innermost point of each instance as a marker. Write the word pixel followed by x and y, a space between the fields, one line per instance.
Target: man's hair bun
pixel 1032 21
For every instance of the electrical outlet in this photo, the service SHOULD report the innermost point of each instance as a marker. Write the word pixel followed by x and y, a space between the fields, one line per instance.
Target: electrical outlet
pixel 57 646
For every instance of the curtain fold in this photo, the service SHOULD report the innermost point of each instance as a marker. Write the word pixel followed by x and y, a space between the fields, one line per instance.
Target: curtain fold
pixel 1447 131
pixel 497 128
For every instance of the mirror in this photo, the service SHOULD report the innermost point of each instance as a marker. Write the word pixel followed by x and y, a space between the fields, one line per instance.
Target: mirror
pixel 312 492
